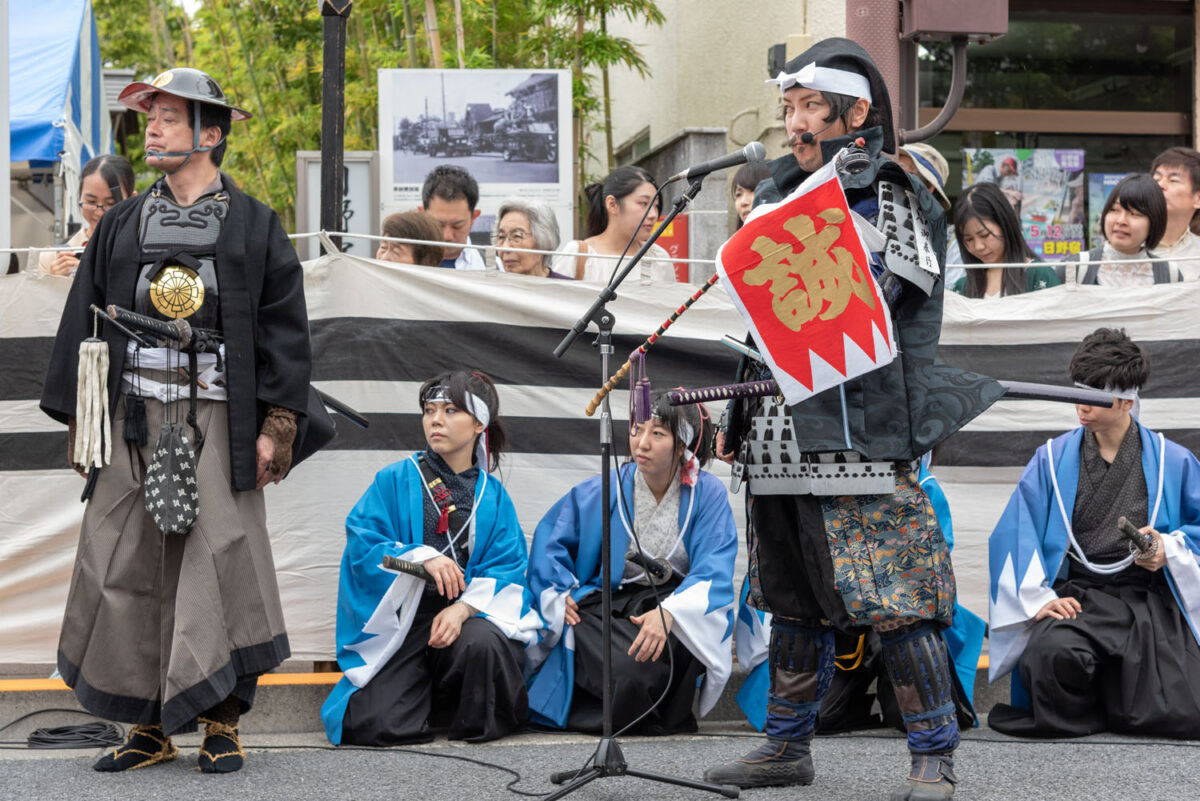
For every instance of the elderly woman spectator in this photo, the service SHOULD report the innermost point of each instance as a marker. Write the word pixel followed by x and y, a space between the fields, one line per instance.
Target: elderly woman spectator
pixel 418 225
pixel 523 226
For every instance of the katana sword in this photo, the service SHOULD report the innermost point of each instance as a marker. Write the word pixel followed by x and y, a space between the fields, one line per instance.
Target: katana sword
pixel 1013 390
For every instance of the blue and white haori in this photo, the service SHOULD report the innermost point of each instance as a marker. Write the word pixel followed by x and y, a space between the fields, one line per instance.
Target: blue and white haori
pixel 1028 549
pixel 964 637
pixel 376 606
pixel 566 561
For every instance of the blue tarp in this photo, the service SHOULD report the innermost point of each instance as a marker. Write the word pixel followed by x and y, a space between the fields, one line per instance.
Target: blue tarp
pixel 55 80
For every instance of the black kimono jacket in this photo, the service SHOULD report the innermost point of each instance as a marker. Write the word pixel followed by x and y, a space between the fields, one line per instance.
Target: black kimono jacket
pixel 263 316
pixel 897 412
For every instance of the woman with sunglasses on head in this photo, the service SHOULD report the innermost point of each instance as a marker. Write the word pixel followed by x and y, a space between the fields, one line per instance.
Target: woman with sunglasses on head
pixel 617 213
pixel 988 232
pixel 450 641
pixel 103 183
pixel 669 618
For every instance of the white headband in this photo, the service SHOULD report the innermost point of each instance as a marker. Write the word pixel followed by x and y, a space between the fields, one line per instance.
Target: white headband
pixel 691 465
pixel 1123 394
pixel 477 408
pixel 825 79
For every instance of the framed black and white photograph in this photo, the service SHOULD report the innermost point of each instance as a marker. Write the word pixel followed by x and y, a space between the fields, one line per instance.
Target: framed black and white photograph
pixel 510 129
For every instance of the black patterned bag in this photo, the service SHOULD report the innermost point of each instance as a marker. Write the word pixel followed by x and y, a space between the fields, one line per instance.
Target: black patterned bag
pixel 170 491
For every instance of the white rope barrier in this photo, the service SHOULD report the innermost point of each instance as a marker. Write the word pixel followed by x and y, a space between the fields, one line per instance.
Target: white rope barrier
pixel 438 243
pixel 1008 265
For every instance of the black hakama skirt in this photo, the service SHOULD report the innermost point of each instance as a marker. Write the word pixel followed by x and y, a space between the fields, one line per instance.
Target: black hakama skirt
pixel 636 685
pixel 475 686
pixel 1127 663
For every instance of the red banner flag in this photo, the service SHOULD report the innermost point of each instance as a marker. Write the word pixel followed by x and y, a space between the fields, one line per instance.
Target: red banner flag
pixel 799 274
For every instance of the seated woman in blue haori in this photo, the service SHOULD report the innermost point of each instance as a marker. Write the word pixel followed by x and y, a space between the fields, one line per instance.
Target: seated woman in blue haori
pixel 665 636
pixel 454 644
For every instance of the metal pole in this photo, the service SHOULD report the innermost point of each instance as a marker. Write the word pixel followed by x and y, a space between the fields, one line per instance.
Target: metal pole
pixel 333 113
pixel 5 143
pixel 875 24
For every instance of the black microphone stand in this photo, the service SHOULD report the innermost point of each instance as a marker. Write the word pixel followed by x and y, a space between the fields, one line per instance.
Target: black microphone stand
pixel 609 760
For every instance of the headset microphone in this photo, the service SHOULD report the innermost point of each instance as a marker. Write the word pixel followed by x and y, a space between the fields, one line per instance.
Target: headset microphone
pixel 808 137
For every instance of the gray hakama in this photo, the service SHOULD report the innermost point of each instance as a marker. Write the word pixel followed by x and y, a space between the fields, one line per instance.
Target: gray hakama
pixel 158 628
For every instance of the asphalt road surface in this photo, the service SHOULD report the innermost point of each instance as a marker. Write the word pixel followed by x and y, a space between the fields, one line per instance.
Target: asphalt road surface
pixel 411 168
pixel 861 767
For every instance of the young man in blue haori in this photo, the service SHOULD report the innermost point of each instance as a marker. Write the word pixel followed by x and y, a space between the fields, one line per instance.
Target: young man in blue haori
pixel 1099 633
pixel 664 636
pixel 456 642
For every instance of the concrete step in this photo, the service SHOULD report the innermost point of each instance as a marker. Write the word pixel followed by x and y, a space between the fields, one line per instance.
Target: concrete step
pixel 290 702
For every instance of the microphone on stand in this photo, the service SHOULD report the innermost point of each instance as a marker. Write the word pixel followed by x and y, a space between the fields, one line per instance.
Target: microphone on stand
pixel 753 152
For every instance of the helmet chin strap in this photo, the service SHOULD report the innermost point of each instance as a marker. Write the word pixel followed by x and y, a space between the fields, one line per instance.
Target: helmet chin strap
pixel 186 154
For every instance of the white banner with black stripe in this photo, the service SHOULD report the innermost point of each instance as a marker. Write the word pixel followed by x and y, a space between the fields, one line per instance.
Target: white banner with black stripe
pixel 380 330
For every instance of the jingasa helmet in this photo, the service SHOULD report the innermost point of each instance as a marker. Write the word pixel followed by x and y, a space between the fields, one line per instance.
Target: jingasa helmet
pixel 841 66
pixel 184 82
pixel 187 84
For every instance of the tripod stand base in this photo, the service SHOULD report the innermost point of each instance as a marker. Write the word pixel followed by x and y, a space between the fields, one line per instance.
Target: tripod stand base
pixel 610 761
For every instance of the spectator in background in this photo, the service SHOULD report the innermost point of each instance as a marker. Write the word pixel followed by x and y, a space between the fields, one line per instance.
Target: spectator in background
pixel 988 232
pixel 1177 171
pixel 1134 215
pixel 450 195
pixel 745 181
pixel 930 166
pixel 615 216
pixel 103 183
pixel 411 225
pixel 523 226
pixel 925 162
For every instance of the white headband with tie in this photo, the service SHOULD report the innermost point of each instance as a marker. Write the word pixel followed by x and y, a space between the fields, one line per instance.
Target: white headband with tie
pixel 825 79
pixel 477 408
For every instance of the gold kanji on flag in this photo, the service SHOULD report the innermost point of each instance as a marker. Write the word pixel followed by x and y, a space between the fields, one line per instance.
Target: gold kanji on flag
pixel 800 276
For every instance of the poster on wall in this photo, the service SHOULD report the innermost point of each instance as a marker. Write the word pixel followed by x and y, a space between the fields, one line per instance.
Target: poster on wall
pixel 1099 185
pixel 1044 186
pixel 510 129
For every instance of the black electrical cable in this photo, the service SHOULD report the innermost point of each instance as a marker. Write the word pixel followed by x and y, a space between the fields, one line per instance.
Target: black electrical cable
pixel 84 735
pixel 98 734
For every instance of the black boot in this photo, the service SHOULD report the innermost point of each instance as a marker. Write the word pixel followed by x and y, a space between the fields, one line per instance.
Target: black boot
pixel 931 779
pixel 775 763
pixel 145 746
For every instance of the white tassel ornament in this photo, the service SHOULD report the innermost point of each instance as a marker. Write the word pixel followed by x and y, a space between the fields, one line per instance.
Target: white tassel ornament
pixel 93 445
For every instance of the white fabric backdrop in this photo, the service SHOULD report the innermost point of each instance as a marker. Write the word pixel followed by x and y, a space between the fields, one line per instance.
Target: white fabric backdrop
pixel 479 313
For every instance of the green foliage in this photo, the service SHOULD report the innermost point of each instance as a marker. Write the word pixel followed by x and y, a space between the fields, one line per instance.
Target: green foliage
pixel 267 56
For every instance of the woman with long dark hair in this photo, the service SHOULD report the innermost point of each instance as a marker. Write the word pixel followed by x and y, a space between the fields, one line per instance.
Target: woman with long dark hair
pixel 617 213
pixel 988 232
pixel 1133 219
pixel 452 642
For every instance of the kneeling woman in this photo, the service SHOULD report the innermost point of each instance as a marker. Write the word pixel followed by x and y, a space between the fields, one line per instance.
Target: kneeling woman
pixel 457 640
pixel 663 638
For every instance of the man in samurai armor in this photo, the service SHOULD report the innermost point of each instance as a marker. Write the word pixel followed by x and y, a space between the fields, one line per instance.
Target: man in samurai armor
pixel 847 541
pixel 173 610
